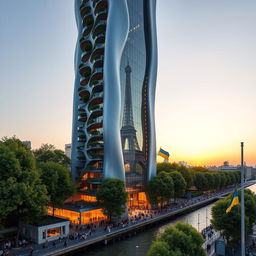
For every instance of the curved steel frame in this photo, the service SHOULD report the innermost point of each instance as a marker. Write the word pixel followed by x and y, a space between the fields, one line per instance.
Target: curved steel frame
pixel 116 34
pixel 151 74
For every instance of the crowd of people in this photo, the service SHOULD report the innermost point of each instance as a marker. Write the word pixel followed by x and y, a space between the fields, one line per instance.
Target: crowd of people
pixel 83 232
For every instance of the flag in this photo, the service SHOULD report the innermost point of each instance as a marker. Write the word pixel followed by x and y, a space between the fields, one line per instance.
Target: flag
pixel 163 153
pixel 234 201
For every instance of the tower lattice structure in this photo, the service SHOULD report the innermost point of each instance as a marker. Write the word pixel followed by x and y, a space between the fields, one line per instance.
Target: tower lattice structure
pixel 128 131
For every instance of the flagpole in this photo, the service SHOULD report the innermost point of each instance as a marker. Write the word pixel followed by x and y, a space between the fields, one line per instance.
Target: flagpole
pixel 242 202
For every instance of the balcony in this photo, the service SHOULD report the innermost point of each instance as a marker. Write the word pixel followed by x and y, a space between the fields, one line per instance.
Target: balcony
pixel 96 113
pixel 96 75
pixel 99 28
pixel 84 96
pixel 97 107
pixel 98 50
pixel 82 138
pixel 95 145
pixel 87 30
pixel 90 169
pixel 84 80
pixel 85 8
pixel 98 61
pixel 80 148
pixel 88 20
pixel 96 135
pixel 84 70
pixel 81 156
pixel 96 157
pixel 82 117
pixel 85 45
pixel 97 98
pixel 100 5
pixel 94 180
pixel 98 88
pixel 80 128
pixel 95 123
pixel 99 39
pixel 85 56
pixel 102 15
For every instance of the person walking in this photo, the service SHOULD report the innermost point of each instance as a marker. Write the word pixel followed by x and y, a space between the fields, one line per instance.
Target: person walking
pixel 31 250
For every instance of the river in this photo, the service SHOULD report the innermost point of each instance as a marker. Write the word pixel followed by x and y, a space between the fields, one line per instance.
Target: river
pixel 139 245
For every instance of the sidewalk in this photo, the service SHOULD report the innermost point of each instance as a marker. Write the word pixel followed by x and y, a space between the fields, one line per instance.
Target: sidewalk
pixel 83 238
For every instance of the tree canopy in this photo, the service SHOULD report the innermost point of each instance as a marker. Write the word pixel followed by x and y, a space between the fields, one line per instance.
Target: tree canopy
pixel 201 177
pixel 160 189
pixel 112 197
pixel 22 193
pixel 48 153
pixel 179 184
pixel 181 239
pixel 58 182
pixel 228 222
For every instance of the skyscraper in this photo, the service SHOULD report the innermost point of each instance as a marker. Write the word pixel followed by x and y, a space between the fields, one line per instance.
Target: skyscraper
pixel 113 116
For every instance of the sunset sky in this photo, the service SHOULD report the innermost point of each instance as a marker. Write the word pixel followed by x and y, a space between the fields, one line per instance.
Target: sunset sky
pixel 206 87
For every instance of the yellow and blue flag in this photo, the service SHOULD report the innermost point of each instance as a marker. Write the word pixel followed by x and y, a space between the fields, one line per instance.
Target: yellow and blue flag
pixel 163 154
pixel 234 201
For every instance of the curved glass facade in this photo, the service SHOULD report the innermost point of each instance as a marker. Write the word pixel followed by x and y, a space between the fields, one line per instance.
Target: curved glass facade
pixel 113 114
pixel 132 73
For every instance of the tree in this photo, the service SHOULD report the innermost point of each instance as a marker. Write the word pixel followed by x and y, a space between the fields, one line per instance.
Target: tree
pixel 200 181
pixel 178 240
pixel 179 184
pixel 228 222
pixel 160 189
pixel 187 175
pixel 112 197
pixel 22 194
pixel 159 248
pixel 48 153
pixel 58 183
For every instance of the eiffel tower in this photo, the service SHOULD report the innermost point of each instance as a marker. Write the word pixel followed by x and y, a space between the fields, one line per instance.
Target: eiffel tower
pixel 128 132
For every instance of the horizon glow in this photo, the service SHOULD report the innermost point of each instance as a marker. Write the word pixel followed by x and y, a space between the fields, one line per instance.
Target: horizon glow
pixel 205 102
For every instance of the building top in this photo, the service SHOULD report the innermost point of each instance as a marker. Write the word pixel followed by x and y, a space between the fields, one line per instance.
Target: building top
pixel 47 220
pixel 27 143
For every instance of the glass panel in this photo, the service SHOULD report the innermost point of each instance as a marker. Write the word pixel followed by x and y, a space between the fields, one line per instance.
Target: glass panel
pixel 132 73
pixel 54 232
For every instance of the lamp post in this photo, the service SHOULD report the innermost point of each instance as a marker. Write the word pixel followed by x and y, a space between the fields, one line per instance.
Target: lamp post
pixel 242 202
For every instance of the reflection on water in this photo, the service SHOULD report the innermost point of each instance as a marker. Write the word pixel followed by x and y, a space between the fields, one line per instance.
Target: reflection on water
pixel 139 245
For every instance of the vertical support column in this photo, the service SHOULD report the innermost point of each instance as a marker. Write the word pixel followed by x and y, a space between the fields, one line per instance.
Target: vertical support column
pixel 242 202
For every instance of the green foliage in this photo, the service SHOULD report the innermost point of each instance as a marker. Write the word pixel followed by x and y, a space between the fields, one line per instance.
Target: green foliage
pixel 228 223
pixel 22 193
pixel 181 239
pixel 48 153
pixel 179 184
pixel 201 177
pixel 159 248
pixel 112 197
pixel 170 167
pixel 160 189
pixel 201 181
pixel 58 182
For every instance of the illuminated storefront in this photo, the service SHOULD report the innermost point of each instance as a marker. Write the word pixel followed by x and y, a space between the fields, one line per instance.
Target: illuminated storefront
pixel 79 216
pixel 45 229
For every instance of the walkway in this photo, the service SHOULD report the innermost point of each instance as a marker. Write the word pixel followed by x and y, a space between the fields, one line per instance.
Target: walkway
pixel 83 239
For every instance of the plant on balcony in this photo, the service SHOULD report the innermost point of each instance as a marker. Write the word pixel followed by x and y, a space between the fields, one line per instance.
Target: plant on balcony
pixel 85 98
pixel 93 107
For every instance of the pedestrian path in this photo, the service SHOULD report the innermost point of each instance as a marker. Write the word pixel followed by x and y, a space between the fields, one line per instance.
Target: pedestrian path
pixel 84 238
